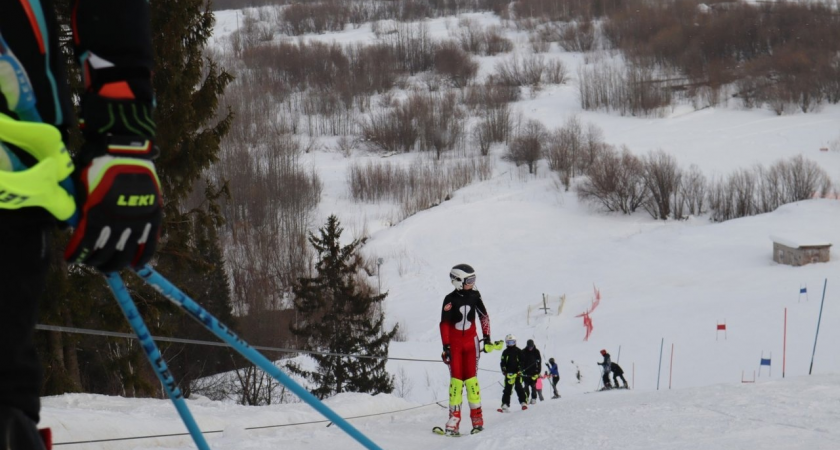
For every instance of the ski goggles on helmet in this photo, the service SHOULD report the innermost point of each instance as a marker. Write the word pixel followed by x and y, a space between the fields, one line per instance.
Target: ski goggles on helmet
pixel 470 280
pixel 510 342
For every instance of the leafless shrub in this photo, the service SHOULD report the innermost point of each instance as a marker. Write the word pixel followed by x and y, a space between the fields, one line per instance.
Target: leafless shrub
pixel 490 95
pixel 478 40
pixel 579 36
pixel 531 70
pixel 662 177
pixel 538 41
pixel 615 181
pixel 562 10
pixel 454 64
pixel 402 381
pixel 760 190
pixel 345 145
pixel 432 121
pixel 326 15
pixel 733 197
pixel 272 199
pixel 494 125
pixel 693 190
pixel 412 46
pixel 391 129
pixel 440 121
pixel 630 91
pixel 422 185
pixel 527 146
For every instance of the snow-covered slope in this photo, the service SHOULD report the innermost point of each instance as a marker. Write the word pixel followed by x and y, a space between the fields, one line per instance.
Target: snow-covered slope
pixel 662 284
pixel 799 413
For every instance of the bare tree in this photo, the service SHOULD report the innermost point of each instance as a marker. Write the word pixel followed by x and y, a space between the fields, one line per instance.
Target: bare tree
pixel 615 181
pixel 662 178
pixel 527 146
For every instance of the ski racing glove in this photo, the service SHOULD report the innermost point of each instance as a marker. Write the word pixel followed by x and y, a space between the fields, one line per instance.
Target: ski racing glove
pixel 446 356
pixel 117 188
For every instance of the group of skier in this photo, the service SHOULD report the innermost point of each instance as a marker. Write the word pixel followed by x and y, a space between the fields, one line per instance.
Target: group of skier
pixel 522 366
pixel 462 313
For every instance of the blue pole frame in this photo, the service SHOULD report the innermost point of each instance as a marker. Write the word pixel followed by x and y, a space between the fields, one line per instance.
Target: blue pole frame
pixel 224 333
pixel 155 358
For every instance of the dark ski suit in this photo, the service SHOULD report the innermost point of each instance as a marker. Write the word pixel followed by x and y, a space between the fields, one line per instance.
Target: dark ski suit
pixel 511 365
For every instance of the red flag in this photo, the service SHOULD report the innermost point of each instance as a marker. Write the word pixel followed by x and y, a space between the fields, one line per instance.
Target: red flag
pixel 721 327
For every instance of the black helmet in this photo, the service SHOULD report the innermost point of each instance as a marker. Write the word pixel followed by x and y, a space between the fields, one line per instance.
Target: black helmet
pixel 530 342
pixel 462 274
pixel 551 360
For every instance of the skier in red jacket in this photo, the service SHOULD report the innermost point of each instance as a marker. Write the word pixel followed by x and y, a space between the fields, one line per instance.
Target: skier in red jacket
pixel 463 312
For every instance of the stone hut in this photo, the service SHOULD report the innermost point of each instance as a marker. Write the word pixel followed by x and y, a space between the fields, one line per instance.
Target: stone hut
pixel 799 251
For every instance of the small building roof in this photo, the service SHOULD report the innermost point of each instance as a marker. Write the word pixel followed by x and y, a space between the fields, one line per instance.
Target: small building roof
pixel 800 240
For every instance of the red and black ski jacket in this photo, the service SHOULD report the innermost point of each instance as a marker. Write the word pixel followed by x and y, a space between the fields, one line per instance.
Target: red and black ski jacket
pixel 458 316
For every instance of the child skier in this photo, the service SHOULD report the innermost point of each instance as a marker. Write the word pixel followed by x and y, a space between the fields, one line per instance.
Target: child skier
pixel 618 373
pixel 554 374
pixel 462 313
pixel 511 365
pixel 538 384
pixel 607 366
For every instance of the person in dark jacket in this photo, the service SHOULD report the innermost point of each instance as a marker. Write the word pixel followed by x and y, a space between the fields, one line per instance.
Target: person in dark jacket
pixel 606 365
pixel 531 366
pixel 117 192
pixel 554 374
pixel 462 313
pixel 511 365
pixel 618 373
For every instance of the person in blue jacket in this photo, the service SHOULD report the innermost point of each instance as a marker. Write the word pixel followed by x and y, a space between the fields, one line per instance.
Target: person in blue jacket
pixel 554 374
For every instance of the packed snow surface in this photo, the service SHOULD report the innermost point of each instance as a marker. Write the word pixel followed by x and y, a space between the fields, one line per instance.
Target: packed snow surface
pixel 664 287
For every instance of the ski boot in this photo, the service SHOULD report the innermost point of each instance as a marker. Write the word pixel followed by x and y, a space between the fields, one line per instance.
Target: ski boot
pixel 504 409
pixel 533 401
pixel 477 419
pixel 453 423
pixel 524 406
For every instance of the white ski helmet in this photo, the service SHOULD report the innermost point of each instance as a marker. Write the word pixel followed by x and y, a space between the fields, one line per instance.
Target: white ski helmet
pixel 510 340
pixel 462 274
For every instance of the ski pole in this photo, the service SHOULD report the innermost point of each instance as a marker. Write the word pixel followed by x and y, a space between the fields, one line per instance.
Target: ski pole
pixel 224 333
pixel 155 358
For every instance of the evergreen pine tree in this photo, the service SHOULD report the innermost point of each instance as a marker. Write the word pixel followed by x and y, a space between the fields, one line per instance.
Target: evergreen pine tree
pixel 187 89
pixel 338 312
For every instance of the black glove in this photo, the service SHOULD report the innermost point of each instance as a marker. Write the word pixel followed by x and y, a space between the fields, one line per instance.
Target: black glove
pixel 117 189
pixel 119 199
pixel 447 354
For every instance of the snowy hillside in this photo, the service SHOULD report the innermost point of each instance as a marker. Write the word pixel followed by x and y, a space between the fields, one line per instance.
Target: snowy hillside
pixel 662 284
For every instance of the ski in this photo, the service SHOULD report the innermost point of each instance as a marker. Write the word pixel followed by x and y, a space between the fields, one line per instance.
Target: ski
pixel 440 431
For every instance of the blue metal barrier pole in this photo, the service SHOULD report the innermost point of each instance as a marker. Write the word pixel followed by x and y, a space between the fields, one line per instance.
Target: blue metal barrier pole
pixel 155 358
pixel 224 333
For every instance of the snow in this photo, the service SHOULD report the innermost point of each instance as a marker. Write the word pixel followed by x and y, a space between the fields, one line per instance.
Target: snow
pixel 664 284
pixel 800 241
